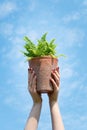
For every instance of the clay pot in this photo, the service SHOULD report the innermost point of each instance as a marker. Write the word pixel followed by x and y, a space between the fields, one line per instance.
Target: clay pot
pixel 43 67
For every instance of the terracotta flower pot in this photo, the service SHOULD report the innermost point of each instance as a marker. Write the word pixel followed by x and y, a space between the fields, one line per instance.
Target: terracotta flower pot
pixel 43 67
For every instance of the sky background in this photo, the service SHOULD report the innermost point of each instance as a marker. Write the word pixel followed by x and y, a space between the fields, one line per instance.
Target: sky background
pixel 64 20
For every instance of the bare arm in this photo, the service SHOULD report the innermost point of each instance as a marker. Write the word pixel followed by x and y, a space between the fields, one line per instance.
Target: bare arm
pixel 32 122
pixel 57 123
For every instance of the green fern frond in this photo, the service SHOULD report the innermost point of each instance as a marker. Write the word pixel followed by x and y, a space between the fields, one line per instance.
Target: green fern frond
pixel 42 48
pixel 43 38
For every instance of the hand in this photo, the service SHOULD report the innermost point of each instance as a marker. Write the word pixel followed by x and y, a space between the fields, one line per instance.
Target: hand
pixel 55 80
pixel 32 87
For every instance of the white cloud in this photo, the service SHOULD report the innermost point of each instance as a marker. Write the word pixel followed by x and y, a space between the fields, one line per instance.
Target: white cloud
pixel 10 100
pixel 15 45
pixel 67 72
pixel 17 42
pixel 17 96
pixel 13 32
pixel 20 30
pixel 6 8
pixel 33 35
pixel 16 33
pixel 76 16
pixel 15 103
pixel 73 86
pixel 71 37
pixel 67 67
pixel 77 120
pixel 14 53
pixel 85 2
pixel 32 5
pixel 10 82
pixel 43 22
pixel 71 17
pixel 6 29
pixel 83 118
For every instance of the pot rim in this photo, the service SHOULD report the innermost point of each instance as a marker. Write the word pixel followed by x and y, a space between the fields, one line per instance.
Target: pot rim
pixel 44 57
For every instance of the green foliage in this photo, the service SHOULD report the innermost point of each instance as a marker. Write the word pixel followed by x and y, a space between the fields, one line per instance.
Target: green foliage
pixel 43 48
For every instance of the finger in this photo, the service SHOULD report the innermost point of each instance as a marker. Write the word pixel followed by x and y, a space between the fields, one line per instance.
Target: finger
pixel 57 69
pixel 56 77
pixel 34 82
pixel 53 84
pixel 57 74
pixel 29 69
pixel 29 73
pixel 30 80
pixel 33 86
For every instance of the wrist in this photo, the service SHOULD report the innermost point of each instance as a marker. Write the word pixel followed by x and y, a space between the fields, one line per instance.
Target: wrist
pixel 52 103
pixel 53 99
pixel 37 100
pixel 37 103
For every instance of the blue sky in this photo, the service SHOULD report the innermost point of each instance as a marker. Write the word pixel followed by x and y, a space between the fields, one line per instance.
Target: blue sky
pixel 64 20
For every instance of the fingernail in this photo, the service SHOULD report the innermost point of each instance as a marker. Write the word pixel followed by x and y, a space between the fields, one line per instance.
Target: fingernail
pixel 57 69
pixel 29 69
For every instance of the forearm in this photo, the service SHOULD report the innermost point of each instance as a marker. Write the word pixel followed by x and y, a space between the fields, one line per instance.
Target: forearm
pixel 57 123
pixel 33 119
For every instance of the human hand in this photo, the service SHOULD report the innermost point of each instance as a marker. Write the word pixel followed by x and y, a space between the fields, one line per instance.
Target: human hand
pixel 55 81
pixel 32 87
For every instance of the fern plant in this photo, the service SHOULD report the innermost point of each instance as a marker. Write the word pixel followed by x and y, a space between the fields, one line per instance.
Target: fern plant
pixel 42 48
